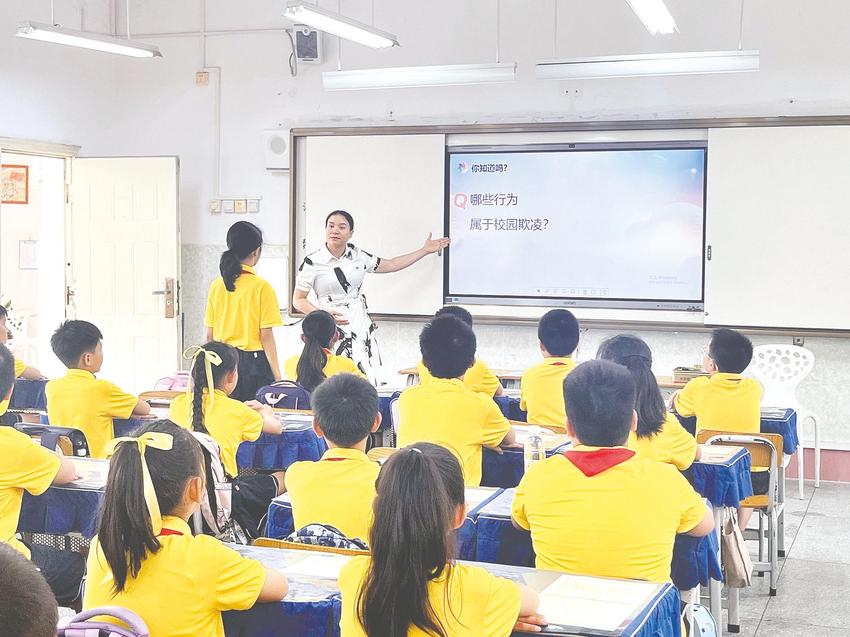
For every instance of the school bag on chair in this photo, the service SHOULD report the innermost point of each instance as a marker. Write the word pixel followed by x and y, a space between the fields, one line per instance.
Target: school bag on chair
pixel 178 381
pixel 82 624
pixel 214 516
pixel 284 394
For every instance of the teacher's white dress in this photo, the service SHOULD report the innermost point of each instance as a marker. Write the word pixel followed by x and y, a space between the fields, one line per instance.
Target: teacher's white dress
pixel 337 284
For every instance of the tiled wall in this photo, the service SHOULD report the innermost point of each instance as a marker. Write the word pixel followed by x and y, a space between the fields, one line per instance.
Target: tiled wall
pixel 515 347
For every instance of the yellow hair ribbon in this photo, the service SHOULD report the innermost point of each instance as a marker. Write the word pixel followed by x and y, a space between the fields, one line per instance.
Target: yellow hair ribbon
pixel 210 359
pixel 156 440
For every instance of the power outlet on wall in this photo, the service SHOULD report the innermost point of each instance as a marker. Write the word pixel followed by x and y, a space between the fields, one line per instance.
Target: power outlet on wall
pixel 799 341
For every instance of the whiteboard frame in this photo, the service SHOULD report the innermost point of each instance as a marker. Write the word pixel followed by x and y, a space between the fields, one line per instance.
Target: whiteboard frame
pixel 296 163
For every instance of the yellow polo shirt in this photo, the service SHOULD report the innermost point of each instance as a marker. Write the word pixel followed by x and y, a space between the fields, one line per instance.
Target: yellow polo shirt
pixel 478 378
pixel 335 365
pixel 20 366
pixel 672 444
pixel 337 490
pixel 182 589
pixel 447 413
pixel 470 603
pixel 619 523
pixel 237 317
pixel 541 391
pixel 26 466
pixel 229 422
pixel 81 401
pixel 726 402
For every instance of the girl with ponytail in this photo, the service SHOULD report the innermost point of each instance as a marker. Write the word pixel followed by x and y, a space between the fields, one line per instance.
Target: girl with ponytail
pixel 145 558
pixel 207 408
pixel 242 309
pixel 317 362
pixel 659 434
pixel 410 584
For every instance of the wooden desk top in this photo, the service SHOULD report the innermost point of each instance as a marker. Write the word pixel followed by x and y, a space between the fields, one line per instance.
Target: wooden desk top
pixel 665 382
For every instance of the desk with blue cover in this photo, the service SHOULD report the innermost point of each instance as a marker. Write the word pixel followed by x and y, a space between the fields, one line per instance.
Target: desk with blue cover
pixel 782 422
pixel 313 605
pixel 504 468
pixel 29 395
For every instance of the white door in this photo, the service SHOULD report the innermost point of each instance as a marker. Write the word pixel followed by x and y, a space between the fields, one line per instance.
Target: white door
pixel 124 263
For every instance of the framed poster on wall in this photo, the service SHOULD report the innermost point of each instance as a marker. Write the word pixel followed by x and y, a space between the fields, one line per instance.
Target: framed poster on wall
pixel 14 182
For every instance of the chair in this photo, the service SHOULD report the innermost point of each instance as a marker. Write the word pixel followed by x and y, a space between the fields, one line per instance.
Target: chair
pixel 395 419
pixel 380 454
pixel 780 369
pixel 271 543
pixel 71 441
pixel 284 394
pixel 766 451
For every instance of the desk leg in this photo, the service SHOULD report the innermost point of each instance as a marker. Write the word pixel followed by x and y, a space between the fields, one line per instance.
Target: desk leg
pixel 732 609
pixel 780 528
pixel 715 588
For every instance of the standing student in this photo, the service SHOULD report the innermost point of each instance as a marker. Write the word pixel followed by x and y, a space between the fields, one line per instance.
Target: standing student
pixel 410 585
pixel 27 466
pixel 144 556
pixel 27 605
pixel 242 309
pixel 479 377
pixel 541 386
pixel 212 411
pixel 80 400
pixel 317 361
pixel 659 435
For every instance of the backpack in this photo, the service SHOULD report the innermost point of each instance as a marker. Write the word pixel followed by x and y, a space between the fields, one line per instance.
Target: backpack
pixel 702 623
pixel 284 394
pixel 326 535
pixel 80 625
pixel 215 512
pixel 178 381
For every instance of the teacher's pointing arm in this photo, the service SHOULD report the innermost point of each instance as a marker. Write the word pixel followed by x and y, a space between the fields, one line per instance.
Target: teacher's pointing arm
pixel 406 260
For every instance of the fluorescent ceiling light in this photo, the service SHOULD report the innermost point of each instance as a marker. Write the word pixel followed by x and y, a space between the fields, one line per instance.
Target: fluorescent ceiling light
pixel 336 24
pixel 655 16
pixel 651 64
pixel 409 76
pixel 85 40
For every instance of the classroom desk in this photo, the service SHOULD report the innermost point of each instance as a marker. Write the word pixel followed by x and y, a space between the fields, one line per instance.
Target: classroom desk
pixel 504 468
pixel 773 421
pixel 509 377
pixel 313 606
pixel 279 520
pixel 29 394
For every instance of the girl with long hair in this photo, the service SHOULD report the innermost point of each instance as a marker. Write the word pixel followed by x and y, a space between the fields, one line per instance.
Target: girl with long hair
pixel 317 361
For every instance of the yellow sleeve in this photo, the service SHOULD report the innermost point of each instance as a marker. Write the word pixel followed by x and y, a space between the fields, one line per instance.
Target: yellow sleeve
pixel 350 367
pixel 116 402
pixel 36 467
pixel 251 424
pixel 209 313
pixel 518 505
pixel 180 411
pixel 690 502
pixel 485 380
pixel 423 373
pixel 496 426
pixel 290 368
pixel 523 381
pixel 20 366
pixel 687 399
pixel 503 599
pixel 683 446
pixel 269 308
pixel 238 580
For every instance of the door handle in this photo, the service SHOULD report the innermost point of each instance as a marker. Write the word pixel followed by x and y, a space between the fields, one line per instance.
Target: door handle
pixel 168 293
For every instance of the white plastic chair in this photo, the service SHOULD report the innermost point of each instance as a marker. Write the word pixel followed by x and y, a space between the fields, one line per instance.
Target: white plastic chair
pixel 780 369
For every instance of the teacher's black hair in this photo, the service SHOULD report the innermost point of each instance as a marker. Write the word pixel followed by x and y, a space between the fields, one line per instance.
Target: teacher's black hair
pixel 342 213
pixel 243 238
pixel 600 400
pixel 448 347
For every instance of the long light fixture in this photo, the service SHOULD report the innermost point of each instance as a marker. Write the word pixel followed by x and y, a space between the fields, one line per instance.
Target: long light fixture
pixel 412 76
pixel 338 25
pixel 655 15
pixel 85 40
pixel 705 62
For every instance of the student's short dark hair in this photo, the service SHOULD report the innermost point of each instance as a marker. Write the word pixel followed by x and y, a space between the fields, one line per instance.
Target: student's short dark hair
pixel 345 406
pixel 600 398
pixel 457 311
pixel 731 351
pixel 3 312
pixel 558 331
pixel 27 605
pixel 448 347
pixel 7 371
pixel 72 339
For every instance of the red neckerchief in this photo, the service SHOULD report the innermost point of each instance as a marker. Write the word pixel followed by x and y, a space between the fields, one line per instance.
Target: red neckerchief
pixel 334 459
pixel 165 531
pixel 592 463
pixel 558 364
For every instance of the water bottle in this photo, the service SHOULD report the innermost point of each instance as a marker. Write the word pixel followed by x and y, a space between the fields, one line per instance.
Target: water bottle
pixel 533 448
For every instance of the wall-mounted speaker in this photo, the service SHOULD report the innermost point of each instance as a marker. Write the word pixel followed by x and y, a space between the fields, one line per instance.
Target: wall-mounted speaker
pixel 276 142
pixel 308 44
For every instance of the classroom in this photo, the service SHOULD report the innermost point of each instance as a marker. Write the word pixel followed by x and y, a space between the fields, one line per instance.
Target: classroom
pixel 452 319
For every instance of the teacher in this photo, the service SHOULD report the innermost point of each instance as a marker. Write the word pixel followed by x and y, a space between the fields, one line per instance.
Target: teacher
pixel 335 273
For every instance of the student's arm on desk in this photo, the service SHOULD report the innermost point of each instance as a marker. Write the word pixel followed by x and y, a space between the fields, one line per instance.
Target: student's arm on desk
pixel 705 527
pixel 510 439
pixel 66 472
pixel 142 408
pixel 31 373
pixel 529 621
pixel 271 425
pixel 274 588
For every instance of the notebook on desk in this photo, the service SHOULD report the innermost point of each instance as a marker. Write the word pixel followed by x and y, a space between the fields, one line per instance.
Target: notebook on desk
pixel 717 454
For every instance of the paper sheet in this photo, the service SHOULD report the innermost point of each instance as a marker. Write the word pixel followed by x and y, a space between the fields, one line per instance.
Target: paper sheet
pixel 92 473
pixel 477 495
pixel 716 454
pixel 773 412
pixel 620 591
pixel 322 566
pixel 295 422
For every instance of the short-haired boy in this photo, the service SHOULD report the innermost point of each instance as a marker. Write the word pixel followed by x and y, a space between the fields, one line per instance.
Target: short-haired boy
pixel 479 377
pixel 338 489
pixel 80 400
pixel 445 411
pixel 541 386
pixel 599 509
pixel 27 606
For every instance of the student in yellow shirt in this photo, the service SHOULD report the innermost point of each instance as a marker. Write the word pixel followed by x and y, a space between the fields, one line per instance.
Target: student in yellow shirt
pixel 317 362
pixel 144 556
pixel 479 377
pixel 600 509
pixel 80 400
pixel 659 435
pixel 411 584
pixel 339 489
pixel 242 309
pixel 445 411
pixel 22 370
pixel 229 422
pixel 27 605
pixel 27 466
pixel 541 387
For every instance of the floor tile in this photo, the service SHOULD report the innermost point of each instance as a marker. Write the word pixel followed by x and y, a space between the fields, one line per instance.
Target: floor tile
pixel 823 539
pixel 811 592
pixel 773 628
